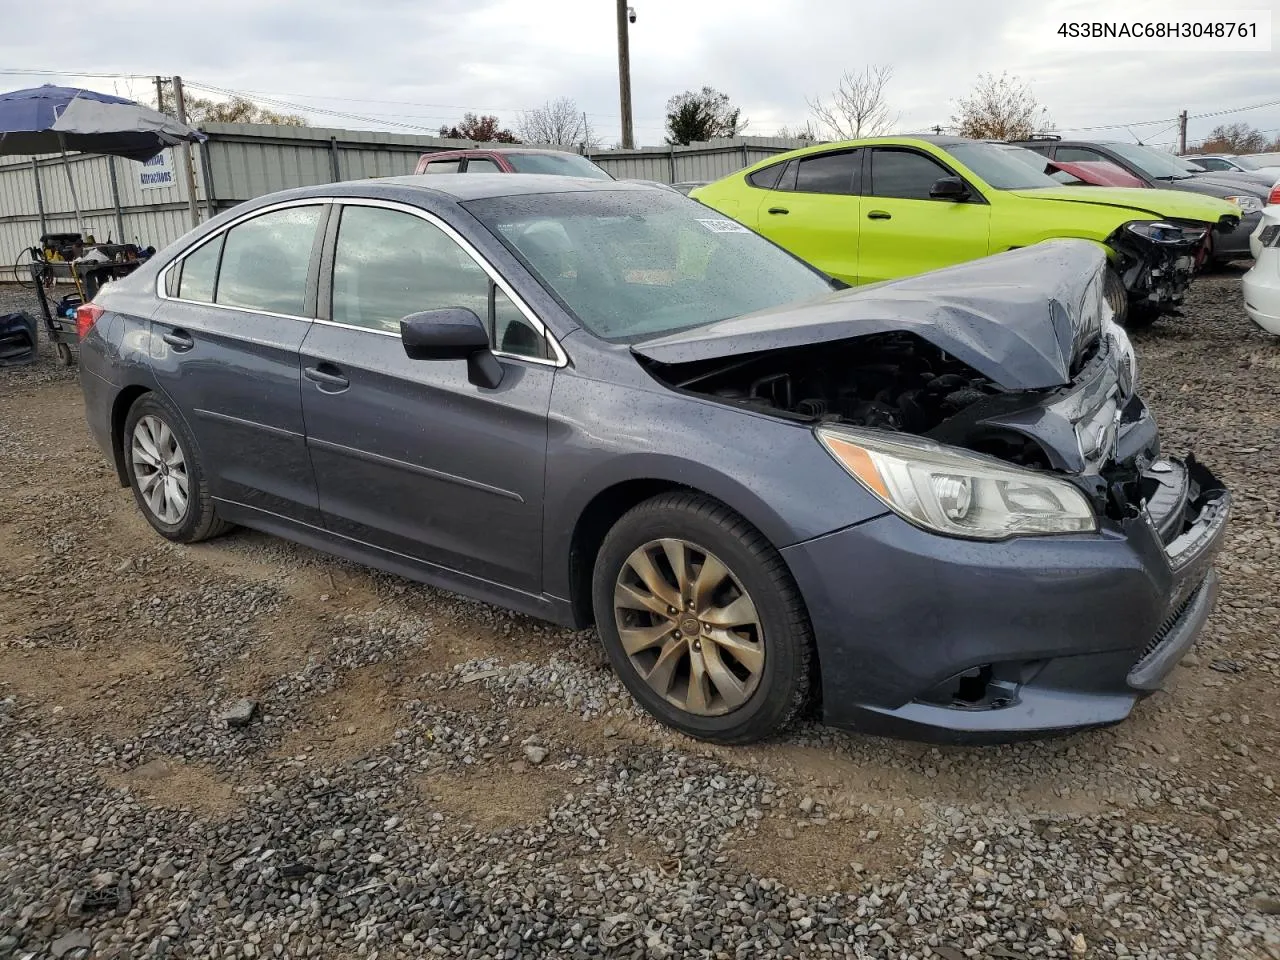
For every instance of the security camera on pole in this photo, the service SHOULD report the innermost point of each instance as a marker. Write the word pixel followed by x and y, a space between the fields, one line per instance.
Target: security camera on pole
pixel 626 15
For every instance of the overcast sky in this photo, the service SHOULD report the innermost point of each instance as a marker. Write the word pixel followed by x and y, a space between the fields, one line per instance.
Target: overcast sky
pixel 424 62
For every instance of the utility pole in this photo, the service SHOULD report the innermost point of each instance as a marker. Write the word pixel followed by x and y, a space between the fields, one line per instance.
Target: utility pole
pixel 160 94
pixel 1182 132
pixel 188 169
pixel 625 13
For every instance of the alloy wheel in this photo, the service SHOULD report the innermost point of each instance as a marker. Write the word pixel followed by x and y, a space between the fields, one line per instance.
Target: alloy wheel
pixel 689 627
pixel 160 469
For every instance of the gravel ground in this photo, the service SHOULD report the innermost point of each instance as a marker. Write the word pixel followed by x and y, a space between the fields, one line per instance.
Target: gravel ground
pixel 427 776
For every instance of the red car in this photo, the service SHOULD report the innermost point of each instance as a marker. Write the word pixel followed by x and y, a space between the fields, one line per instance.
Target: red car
pixel 1093 173
pixel 511 160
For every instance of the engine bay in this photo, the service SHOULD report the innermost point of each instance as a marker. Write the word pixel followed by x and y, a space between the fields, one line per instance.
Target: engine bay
pixel 893 381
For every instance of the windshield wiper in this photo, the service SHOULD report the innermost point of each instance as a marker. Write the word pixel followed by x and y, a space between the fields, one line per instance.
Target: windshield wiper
pixel 1172 177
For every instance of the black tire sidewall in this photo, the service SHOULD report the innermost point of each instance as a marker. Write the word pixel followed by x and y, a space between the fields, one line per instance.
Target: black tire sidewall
pixel 188 530
pixel 1112 282
pixel 784 667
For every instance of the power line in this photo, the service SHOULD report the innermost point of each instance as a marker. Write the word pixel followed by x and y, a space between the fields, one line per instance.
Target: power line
pixel 13 71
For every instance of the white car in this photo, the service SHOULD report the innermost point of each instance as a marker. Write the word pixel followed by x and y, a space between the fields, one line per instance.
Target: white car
pixel 1262 283
pixel 1234 163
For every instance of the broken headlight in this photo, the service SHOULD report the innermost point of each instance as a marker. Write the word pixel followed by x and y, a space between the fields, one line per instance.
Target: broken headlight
pixel 957 493
pixel 1160 231
pixel 1246 203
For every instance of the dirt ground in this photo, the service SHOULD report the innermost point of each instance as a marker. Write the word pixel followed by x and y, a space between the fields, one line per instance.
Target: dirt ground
pixel 120 649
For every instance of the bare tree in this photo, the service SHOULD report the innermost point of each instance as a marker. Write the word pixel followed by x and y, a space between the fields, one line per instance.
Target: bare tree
pixel 478 129
pixel 559 122
pixel 857 107
pixel 807 132
pixel 1000 108
pixel 235 110
pixel 1234 138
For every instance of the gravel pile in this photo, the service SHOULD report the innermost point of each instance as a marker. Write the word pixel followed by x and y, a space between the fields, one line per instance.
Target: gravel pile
pixel 247 749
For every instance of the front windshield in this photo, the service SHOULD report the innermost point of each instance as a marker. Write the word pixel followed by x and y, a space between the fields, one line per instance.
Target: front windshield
pixel 1248 163
pixel 558 164
pixel 1003 166
pixel 1160 166
pixel 631 264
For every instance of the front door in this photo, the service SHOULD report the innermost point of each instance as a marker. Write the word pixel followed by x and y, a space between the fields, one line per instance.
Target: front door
pixel 409 455
pixel 813 211
pixel 906 232
pixel 224 347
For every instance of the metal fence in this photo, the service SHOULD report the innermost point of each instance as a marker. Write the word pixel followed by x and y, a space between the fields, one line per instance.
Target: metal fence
pixel 243 161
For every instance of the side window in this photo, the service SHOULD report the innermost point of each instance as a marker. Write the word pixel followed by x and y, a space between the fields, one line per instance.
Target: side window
pixel 482 165
pixel 788 179
pixel 1213 163
pixel 512 333
pixel 767 178
pixel 1077 153
pixel 388 264
pixel 196 274
pixel 904 174
pixel 265 260
pixel 443 166
pixel 829 173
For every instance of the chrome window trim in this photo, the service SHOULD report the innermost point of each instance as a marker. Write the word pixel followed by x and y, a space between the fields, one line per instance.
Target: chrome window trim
pixel 163 276
pixel 561 359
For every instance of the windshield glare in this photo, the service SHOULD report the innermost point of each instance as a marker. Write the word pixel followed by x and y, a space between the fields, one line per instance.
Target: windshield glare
pixel 637 263
pixel 1151 162
pixel 1003 166
pixel 1247 162
pixel 558 164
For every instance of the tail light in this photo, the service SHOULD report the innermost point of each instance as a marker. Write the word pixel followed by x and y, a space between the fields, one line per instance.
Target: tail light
pixel 87 315
pixel 1274 197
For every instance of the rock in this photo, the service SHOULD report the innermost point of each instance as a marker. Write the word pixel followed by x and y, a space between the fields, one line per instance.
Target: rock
pixel 517 766
pixel 1226 665
pixel 535 754
pixel 1079 947
pixel 1191 660
pixel 239 714
pixel 164 870
pixel 89 845
pixel 1266 905
pixel 806 805
pixel 76 940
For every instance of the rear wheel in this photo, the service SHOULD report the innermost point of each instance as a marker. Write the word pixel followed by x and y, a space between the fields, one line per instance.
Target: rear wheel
pixel 165 472
pixel 701 619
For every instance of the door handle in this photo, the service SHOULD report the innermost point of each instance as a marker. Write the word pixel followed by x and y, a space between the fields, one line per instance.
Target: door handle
pixel 180 340
pixel 779 210
pixel 327 375
pixel 879 215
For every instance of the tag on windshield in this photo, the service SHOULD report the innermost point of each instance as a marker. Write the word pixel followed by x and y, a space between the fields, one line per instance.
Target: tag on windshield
pixel 724 226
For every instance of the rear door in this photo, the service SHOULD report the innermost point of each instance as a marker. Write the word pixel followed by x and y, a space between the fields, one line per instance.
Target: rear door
pixel 409 455
pixel 813 211
pixel 904 231
pixel 224 347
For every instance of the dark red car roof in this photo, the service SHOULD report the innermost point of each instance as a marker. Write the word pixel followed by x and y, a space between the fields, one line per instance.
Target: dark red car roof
pixel 1100 173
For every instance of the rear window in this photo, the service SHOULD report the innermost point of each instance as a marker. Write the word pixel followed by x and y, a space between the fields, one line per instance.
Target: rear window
pixel 557 164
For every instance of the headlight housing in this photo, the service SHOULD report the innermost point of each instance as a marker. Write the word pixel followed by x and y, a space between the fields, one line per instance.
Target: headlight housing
pixel 1161 231
pixel 956 493
pixel 1247 204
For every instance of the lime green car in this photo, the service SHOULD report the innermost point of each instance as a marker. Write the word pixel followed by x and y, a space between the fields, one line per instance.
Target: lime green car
pixel 869 210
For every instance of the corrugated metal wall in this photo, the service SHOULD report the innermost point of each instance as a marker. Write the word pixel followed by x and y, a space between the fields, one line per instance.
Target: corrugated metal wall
pixel 248 160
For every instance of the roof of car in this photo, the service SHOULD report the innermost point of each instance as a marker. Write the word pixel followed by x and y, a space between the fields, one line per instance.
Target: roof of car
pixel 462 150
pixel 478 186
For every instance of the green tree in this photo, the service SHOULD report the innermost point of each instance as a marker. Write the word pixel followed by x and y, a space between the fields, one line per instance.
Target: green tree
pixel 1000 108
pixel 694 116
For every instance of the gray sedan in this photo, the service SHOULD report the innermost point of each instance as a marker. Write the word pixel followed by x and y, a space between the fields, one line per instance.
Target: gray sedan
pixel 936 506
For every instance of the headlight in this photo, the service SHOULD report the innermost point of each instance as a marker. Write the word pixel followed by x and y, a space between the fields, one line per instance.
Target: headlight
pixel 1128 358
pixel 955 493
pixel 1246 204
pixel 1161 232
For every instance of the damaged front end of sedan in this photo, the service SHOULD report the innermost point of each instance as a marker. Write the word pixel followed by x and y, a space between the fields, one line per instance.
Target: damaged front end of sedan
pixel 1156 260
pixel 992 401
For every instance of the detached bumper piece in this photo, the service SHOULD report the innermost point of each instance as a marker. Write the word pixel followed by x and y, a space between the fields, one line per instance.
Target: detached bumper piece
pixel 17 339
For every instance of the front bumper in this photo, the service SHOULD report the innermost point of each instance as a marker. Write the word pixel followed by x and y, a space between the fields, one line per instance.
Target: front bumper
pixel 950 640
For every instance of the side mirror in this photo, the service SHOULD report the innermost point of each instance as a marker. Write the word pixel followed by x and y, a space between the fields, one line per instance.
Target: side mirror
pixel 454 333
pixel 949 188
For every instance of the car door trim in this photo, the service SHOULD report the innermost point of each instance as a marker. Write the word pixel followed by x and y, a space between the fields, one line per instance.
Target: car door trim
pixel 163 276
pixel 279 432
pixel 561 359
pixel 356 454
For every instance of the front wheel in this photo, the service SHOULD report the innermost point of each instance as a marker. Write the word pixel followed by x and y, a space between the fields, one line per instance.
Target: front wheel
pixel 166 474
pixel 702 620
pixel 1116 295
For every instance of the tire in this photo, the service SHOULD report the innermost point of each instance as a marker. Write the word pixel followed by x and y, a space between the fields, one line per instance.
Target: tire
pixel 747 635
pixel 1116 295
pixel 154 431
pixel 22 271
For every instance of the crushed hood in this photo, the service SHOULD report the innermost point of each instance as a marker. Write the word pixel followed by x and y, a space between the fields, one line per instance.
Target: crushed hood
pixel 1011 317
pixel 1178 204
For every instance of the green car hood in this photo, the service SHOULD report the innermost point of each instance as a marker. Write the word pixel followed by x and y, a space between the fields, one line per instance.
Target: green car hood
pixel 1156 203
